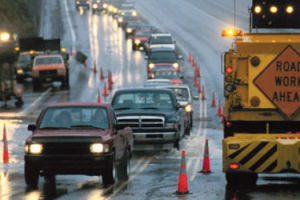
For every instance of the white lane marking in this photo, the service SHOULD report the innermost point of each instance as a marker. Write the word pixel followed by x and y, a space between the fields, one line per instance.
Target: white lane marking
pixel 73 35
pixel 146 163
pixel 197 165
pixel 26 110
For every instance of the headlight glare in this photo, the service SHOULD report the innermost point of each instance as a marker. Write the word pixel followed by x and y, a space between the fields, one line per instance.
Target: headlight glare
pixel 99 148
pixel 20 71
pixel 176 65
pixel 35 148
pixel 151 66
pixel 188 108
pixel 129 30
pixel 4 36
pixel 137 41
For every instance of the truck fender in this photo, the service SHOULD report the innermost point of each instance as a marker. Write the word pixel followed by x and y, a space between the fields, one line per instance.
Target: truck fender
pixel 123 139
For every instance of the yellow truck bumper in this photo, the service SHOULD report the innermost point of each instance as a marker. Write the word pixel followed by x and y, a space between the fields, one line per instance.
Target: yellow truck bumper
pixel 262 153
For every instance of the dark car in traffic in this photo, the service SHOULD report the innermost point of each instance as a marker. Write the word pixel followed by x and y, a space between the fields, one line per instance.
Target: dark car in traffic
pixel 77 138
pixel 155 116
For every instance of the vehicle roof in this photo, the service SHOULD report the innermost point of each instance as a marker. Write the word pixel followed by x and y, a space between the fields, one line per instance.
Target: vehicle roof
pixel 142 89
pixel 158 80
pixel 78 104
pixel 48 55
pixel 176 86
pixel 163 49
pixel 161 34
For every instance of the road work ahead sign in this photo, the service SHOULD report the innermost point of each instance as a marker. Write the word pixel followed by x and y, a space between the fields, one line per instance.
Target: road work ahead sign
pixel 280 81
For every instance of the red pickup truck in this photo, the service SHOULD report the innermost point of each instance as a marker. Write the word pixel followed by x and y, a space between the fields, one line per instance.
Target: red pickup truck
pixel 77 138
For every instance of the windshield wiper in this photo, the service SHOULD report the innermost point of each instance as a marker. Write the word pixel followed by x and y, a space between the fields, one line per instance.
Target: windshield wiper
pixel 87 126
pixel 149 108
pixel 122 108
pixel 56 127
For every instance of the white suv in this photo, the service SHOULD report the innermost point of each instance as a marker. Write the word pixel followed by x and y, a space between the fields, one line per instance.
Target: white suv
pixel 160 40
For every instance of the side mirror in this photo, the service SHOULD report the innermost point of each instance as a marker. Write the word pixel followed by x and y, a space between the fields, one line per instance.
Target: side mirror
pixel 196 97
pixel 146 57
pixel 180 57
pixel 31 127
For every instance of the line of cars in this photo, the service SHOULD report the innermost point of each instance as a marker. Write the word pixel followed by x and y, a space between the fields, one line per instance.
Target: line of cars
pixel 95 139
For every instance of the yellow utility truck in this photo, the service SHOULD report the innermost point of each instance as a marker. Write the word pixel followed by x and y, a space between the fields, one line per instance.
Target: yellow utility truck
pixel 262 95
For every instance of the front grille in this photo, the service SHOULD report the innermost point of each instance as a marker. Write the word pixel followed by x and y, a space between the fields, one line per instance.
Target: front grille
pixel 141 122
pixel 48 72
pixel 66 148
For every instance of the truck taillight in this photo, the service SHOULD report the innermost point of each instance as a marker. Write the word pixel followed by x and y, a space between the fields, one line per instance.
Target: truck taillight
pixel 228 70
pixel 234 166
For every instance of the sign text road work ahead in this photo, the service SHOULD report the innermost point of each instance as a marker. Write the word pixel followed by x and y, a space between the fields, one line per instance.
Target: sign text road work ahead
pixel 280 81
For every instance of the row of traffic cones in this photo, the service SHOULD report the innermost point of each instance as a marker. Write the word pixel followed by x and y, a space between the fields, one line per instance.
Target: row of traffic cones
pixel 183 179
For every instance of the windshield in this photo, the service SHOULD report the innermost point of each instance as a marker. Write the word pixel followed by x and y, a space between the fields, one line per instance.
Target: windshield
pixel 143 100
pixel 48 60
pixel 162 55
pixel 181 93
pixel 161 40
pixel 75 117
pixel 24 58
pixel 166 74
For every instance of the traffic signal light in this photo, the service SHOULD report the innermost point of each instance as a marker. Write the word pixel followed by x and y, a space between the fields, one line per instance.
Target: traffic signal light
pixel 276 13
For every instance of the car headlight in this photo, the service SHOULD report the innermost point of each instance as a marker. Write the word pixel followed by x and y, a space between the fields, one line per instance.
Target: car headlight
pixel 188 108
pixel 120 19
pixel 77 2
pixel 95 6
pixel 110 8
pixel 20 71
pixel 129 30
pixel 137 42
pixel 176 66
pixel 4 36
pixel 105 5
pixel 171 125
pixel 151 66
pixel 115 10
pixel 35 148
pixel 134 13
pixel 99 148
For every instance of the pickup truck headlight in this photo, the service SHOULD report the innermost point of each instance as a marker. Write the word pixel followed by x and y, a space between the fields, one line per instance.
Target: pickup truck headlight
pixel 137 42
pixel 188 108
pixel 105 5
pixel 99 148
pixel 95 6
pixel 176 65
pixel 129 30
pixel 120 19
pixel 35 148
pixel 4 36
pixel 151 66
pixel 171 125
pixel 134 13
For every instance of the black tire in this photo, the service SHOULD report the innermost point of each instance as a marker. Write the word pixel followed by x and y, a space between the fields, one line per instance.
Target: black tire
pixel 108 175
pixel 122 169
pixel 19 103
pixel 35 84
pixel 240 179
pixel 50 178
pixel 177 144
pixel 188 130
pixel 31 175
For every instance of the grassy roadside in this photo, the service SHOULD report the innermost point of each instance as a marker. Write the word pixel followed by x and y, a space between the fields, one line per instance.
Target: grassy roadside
pixel 20 16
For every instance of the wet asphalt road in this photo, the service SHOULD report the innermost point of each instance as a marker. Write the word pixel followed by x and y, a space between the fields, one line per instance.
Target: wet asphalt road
pixel 153 175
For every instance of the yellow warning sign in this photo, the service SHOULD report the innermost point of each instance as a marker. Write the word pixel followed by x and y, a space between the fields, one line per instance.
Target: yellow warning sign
pixel 280 81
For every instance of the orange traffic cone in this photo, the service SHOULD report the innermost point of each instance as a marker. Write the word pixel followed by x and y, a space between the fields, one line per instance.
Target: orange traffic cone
pixel 193 62
pixel 182 182
pixel 223 119
pixel 196 82
pixel 206 165
pixel 110 77
pixel 98 97
pixel 213 101
pixel 101 74
pixel 199 89
pixel 203 93
pixel 95 68
pixel 110 85
pixel 105 93
pixel 220 109
pixel 71 52
pixel 190 57
pixel 5 147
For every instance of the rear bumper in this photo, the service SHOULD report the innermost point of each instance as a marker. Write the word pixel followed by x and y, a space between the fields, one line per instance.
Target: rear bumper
pixel 71 164
pixel 262 153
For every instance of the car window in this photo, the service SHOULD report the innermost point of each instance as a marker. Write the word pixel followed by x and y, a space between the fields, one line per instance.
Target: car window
pixel 143 99
pixel 162 55
pixel 75 117
pixel 48 60
pixel 161 40
pixel 181 93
